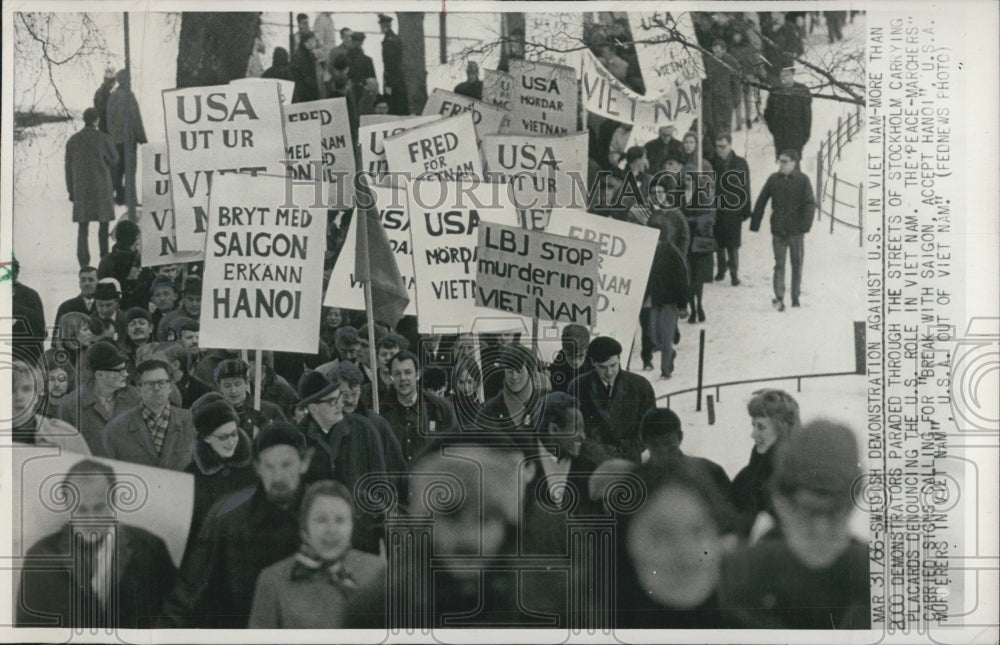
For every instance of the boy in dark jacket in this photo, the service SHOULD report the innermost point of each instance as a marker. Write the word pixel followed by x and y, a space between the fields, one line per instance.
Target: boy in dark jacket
pixel 792 209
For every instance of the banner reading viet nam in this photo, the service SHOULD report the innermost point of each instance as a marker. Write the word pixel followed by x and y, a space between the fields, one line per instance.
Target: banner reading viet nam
pixel 372 135
pixel 549 277
pixel 669 69
pixel 626 253
pixel 487 118
pixel 263 265
pixel 156 222
pixel 605 95
pixel 216 130
pixel 550 37
pixel 542 171
pixel 344 290
pixel 302 147
pixel 445 217
pixel 546 100
pixel 335 142
pixel 445 150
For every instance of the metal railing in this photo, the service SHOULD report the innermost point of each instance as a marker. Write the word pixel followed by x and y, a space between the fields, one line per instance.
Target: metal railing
pixel 827 182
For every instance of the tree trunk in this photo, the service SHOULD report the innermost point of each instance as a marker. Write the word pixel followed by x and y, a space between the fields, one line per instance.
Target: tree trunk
pixel 411 32
pixel 512 29
pixel 214 48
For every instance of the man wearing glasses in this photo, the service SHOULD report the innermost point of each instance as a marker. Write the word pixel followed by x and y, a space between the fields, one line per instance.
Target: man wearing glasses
pixel 106 395
pixel 154 433
pixel 792 209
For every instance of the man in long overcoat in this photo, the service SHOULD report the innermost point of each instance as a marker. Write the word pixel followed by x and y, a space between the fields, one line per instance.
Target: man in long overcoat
pixel 733 207
pixel 393 75
pixel 90 160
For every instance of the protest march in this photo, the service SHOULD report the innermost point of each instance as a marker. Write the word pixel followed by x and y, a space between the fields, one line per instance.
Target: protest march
pixel 399 357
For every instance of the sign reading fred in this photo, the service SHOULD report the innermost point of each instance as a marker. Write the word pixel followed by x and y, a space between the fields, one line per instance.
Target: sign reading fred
pixel 263 265
pixel 536 274
pixel 443 150
pixel 215 130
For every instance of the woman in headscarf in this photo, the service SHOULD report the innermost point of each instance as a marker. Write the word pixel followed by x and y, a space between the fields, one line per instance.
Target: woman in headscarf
pixel 312 588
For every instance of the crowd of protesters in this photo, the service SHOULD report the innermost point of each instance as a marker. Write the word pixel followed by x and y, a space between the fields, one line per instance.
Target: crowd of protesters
pixel 281 533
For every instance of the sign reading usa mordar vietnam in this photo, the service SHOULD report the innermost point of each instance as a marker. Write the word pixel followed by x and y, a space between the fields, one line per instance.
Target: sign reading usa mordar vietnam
pixel 263 265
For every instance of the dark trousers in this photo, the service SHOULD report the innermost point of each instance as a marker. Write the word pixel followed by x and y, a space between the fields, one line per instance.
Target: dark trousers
pixel 83 242
pixel 647 338
pixel 663 324
pixel 122 174
pixel 793 245
pixel 728 257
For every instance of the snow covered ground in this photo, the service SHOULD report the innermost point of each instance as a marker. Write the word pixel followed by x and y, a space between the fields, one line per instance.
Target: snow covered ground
pixel 745 337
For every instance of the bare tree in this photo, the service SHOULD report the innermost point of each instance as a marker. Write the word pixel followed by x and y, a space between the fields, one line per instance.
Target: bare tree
pixel 215 47
pixel 411 32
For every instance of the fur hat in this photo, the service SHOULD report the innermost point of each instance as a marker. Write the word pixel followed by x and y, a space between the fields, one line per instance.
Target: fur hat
pixel 823 459
pixel 278 433
pixel 231 368
pixel 137 312
pixel 105 356
pixel 163 281
pixel 210 412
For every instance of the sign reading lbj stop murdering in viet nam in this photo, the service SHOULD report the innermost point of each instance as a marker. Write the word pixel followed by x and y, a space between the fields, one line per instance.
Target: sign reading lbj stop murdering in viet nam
pixel 443 150
pixel 344 290
pixel 335 143
pixel 263 265
pixel 216 130
pixel 546 100
pixel 486 117
pixel 549 277
pixel 156 223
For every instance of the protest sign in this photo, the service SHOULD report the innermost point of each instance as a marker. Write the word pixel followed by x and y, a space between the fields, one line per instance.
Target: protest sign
pixel 215 130
pixel 487 118
pixel 550 37
pixel 335 142
pixel 543 172
pixel 606 96
pixel 344 290
pixel 444 222
pixel 263 265
pixel 669 69
pixel 546 98
pixel 498 89
pixel 302 147
pixel 285 88
pixel 372 134
pixel 545 276
pixel 156 223
pixel 625 256
pixel 444 149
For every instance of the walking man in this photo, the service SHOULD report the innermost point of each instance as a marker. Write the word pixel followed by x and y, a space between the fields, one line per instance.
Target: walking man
pixel 792 209
pixel 90 160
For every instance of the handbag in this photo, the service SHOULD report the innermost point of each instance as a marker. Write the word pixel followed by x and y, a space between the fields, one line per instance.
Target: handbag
pixel 703 244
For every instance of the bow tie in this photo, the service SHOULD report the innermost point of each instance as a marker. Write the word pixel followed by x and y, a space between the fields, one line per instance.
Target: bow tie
pixel 307 568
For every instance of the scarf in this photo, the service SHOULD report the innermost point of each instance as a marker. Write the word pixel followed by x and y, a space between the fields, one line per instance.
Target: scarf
pixel 308 566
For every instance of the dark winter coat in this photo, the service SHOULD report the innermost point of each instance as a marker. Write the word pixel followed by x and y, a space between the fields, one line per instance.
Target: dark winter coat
pixel 90 160
pixel 792 204
pixel 145 575
pixel 837 597
pixel 749 492
pixel 657 152
pixel 494 416
pixel 76 304
pixel 252 420
pixel 101 97
pixel 243 534
pixel 721 89
pixel 701 223
pixel 789 117
pixel 117 264
pixel 116 118
pixel 614 422
pixel 413 428
pixel 733 198
pixel 127 438
pixel 304 74
pixel 394 76
pixel 279 66
pixel 561 373
pixel 667 284
pixel 214 477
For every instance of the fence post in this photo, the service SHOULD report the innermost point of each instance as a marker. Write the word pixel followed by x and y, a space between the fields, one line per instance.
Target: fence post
pixel 711 409
pixel 861 212
pixel 833 202
pixel 839 125
pixel 819 182
pixel 701 366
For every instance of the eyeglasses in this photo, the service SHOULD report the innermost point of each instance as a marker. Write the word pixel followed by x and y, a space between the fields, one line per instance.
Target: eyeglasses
pixel 786 161
pixel 223 438
pixel 330 400
pixel 158 384
pixel 121 371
